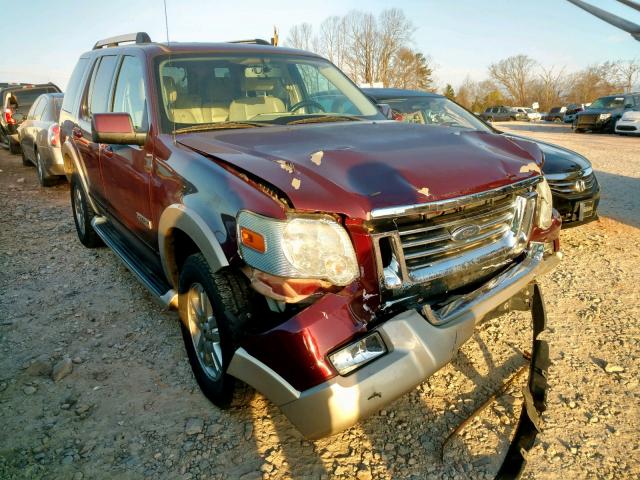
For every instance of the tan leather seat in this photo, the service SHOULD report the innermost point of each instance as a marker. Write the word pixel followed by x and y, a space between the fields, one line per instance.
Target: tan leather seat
pixel 182 108
pixel 249 107
pixel 219 95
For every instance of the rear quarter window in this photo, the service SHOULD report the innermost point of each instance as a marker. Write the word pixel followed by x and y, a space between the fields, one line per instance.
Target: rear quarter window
pixel 73 88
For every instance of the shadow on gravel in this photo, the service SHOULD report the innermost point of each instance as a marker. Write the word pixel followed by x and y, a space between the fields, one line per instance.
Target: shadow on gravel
pixel 390 439
pixel 619 198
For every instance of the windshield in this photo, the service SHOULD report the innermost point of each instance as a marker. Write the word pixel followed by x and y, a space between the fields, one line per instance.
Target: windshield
pixel 27 96
pixel 608 103
pixel 434 111
pixel 219 91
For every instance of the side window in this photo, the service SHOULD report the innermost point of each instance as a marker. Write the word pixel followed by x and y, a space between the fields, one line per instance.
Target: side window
pixel 39 108
pixel 32 111
pixel 97 98
pixel 73 88
pixel 130 94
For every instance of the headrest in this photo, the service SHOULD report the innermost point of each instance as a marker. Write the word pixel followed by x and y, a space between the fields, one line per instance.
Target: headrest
pixel 170 89
pixel 254 84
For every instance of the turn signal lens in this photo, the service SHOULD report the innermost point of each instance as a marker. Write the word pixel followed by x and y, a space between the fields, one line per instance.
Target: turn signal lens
pixel 253 240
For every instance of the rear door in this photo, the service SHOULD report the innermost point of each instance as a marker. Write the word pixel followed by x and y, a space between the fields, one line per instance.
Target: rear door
pixel 126 169
pixel 94 100
pixel 28 127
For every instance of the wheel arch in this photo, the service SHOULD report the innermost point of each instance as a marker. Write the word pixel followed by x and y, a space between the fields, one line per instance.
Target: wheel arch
pixel 182 231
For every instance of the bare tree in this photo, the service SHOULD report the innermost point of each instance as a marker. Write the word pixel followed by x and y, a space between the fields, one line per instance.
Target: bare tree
pixel 332 40
pixel 301 36
pixel 628 73
pixel 395 32
pixel 514 74
pixel 548 88
pixel 592 82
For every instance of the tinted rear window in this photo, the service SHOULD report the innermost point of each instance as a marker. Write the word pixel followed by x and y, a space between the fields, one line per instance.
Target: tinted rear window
pixel 26 98
pixel 99 94
pixel 74 85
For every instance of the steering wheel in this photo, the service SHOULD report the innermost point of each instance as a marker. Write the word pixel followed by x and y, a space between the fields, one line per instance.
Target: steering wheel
pixel 306 103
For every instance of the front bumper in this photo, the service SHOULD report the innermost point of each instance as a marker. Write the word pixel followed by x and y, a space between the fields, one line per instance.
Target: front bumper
pixel 418 345
pixel 569 207
pixel 628 127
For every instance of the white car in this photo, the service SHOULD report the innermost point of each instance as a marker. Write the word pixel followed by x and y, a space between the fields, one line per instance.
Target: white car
pixel 629 123
pixel 531 114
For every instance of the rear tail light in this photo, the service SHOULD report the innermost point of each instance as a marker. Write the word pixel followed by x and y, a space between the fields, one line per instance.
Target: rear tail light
pixel 8 116
pixel 54 135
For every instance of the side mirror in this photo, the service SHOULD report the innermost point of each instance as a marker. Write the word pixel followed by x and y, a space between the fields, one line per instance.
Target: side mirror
pixel 386 110
pixel 115 129
pixel 628 105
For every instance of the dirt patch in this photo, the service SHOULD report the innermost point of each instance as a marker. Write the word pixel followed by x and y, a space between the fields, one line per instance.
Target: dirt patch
pixel 127 405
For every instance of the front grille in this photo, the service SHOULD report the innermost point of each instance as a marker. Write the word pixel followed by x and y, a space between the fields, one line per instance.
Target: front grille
pixel 626 128
pixel 588 119
pixel 573 183
pixel 441 250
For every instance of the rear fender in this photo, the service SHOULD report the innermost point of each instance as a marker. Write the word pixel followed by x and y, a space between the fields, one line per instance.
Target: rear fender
pixel 73 165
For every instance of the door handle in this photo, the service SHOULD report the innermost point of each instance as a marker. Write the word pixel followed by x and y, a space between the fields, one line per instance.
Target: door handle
pixel 76 132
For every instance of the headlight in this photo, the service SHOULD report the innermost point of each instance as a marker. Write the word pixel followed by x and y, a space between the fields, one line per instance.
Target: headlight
pixel 313 246
pixel 604 116
pixel 544 205
pixel 358 353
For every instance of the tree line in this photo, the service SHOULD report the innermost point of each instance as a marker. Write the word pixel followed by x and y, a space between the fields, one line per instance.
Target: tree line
pixel 372 49
pixel 520 80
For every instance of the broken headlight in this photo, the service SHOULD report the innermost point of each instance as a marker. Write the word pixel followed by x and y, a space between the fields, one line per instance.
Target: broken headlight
pixel 311 246
pixel 544 205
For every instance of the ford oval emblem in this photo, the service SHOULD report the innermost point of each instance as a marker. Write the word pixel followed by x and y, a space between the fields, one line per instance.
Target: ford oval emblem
pixel 465 232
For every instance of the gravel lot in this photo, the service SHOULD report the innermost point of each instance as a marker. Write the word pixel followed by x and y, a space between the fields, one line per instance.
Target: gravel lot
pixel 125 403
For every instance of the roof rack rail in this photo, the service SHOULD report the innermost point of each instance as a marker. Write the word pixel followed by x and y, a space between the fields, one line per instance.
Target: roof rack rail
pixel 255 41
pixel 138 37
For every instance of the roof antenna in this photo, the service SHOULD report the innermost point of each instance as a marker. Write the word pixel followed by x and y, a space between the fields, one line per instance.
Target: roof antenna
pixel 166 21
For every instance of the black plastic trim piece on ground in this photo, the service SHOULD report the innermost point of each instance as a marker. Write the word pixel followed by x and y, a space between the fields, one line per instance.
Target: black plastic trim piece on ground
pixel 534 397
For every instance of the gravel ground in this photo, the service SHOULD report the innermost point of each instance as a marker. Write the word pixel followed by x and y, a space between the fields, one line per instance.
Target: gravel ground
pixel 94 381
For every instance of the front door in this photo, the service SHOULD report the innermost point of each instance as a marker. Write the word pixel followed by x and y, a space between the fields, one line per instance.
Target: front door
pixel 126 169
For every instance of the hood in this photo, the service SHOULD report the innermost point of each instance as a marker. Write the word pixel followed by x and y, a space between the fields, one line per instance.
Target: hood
pixel 352 168
pixel 597 111
pixel 557 159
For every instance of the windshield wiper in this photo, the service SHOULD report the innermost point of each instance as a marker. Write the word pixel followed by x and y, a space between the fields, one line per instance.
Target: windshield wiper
pixel 325 118
pixel 220 126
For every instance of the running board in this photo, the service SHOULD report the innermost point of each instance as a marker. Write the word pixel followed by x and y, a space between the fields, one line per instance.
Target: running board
pixel 160 289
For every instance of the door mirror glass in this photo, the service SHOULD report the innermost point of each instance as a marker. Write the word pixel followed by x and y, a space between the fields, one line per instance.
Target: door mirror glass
pixel 115 129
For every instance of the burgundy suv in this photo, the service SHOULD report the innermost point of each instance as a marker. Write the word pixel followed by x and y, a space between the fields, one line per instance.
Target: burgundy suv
pixel 317 251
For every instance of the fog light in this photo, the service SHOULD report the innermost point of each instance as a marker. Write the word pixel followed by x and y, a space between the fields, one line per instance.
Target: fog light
pixel 358 353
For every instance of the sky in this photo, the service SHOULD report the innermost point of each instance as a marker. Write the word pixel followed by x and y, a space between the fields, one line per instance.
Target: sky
pixel 42 40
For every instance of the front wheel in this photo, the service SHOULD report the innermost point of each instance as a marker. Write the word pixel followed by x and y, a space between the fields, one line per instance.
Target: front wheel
pixel 82 215
pixel 25 160
pixel 208 303
pixel 14 147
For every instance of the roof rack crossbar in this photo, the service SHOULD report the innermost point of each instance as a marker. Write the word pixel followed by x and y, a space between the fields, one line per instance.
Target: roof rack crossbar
pixel 255 41
pixel 138 37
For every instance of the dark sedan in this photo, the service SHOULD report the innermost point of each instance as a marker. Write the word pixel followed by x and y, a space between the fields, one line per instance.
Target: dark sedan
pixel 603 114
pixel 575 189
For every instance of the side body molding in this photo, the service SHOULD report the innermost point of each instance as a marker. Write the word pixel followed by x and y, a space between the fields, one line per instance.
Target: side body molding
pixel 179 217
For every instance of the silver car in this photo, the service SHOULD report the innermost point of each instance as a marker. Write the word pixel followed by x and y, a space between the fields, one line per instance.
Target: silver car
pixel 39 138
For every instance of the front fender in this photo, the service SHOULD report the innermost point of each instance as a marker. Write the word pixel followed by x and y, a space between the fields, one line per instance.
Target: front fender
pixel 178 216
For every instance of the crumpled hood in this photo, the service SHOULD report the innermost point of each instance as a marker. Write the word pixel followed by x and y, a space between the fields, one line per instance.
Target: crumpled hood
pixel 352 168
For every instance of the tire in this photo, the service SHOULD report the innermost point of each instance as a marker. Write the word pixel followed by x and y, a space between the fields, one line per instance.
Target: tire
pixel 211 346
pixel 25 161
pixel 14 147
pixel 557 120
pixel 82 215
pixel 44 179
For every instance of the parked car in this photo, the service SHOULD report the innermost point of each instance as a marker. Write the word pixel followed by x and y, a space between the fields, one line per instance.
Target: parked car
pixel 603 114
pixel 556 115
pixel 572 110
pixel 320 253
pixel 629 123
pixel 528 114
pixel 500 114
pixel 16 102
pixel 576 192
pixel 39 137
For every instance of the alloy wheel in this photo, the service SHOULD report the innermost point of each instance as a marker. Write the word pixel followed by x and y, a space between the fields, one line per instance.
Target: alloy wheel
pixel 78 209
pixel 204 331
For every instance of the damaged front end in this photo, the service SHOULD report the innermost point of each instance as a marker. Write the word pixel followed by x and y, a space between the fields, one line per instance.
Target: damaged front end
pixel 368 309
